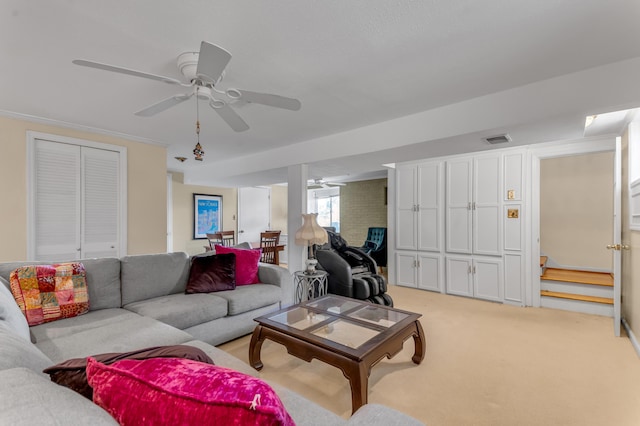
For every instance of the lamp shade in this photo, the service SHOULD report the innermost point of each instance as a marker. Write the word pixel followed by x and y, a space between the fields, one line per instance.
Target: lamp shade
pixel 310 232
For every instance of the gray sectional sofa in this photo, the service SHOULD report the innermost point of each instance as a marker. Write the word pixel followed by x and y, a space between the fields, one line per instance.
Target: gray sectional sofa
pixel 138 302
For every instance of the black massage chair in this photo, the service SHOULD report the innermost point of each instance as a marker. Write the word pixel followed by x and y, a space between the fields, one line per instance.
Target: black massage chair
pixel 352 273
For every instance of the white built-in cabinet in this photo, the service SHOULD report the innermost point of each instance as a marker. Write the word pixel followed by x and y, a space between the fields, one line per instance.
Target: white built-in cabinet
pixel 473 219
pixel 459 225
pixel 419 221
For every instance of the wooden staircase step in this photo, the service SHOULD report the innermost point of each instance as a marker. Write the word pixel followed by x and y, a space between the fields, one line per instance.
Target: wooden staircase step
pixel 604 300
pixel 543 261
pixel 580 277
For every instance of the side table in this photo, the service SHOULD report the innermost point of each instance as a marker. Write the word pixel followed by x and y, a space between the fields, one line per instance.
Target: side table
pixel 309 286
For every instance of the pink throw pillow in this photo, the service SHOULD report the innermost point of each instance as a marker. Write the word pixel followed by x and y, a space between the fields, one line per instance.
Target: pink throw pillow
pixel 177 391
pixel 246 263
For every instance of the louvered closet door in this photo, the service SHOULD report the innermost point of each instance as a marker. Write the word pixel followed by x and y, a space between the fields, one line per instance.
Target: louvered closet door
pixel 100 203
pixel 76 201
pixel 56 201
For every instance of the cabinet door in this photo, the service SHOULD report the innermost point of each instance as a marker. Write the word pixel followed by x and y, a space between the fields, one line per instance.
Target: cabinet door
pixel 100 203
pixel 487 279
pixel 57 201
pixel 406 229
pixel 486 206
pixel 458 211
pixel 406 272
pixel 430 273
pixel 429 207
pixel 459 277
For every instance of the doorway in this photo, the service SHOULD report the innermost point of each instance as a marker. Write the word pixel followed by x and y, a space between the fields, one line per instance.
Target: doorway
pixel 254 213
pixel 579 240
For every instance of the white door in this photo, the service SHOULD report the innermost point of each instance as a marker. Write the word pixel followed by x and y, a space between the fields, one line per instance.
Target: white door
pixel 75 208
pixel 429 207
pixel 459 276
pixel 406 271
pixel 100 203
pixel 56 202
pixel 254 213
pixel 430 273
pixel 617 238
pixel 406 208
pixel 458 219
pixel 486 206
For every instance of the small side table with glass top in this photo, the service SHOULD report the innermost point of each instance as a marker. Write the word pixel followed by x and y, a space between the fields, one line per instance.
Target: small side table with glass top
pixel 310 286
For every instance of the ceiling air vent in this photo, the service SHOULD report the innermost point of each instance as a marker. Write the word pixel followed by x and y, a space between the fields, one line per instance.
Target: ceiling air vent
pixel 498 139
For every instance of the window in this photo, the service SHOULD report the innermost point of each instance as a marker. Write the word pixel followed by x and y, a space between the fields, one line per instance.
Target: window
pixel 326 202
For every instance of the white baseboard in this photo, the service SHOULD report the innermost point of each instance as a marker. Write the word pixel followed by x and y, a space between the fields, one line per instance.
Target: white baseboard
pixel 632 337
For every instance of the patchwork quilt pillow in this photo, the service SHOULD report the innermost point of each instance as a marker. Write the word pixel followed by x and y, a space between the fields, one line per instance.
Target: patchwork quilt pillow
pixel 246 263
pixel 47 293
pixel 177 391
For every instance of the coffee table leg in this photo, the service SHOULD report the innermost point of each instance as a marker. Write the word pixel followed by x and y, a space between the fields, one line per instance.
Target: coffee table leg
pixel 254 348
pixel 358 375
pixel 420 343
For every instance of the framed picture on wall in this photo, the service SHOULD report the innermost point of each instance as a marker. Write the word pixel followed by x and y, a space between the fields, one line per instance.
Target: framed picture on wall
pixel 207 215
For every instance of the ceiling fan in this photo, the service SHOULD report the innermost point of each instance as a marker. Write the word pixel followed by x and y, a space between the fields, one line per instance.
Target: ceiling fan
pixel 203 71
pixel 321 183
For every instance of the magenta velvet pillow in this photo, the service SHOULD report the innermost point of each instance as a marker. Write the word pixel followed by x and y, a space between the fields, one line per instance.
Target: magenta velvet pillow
pixel 246 263
pixel 176 391
pixel 212 273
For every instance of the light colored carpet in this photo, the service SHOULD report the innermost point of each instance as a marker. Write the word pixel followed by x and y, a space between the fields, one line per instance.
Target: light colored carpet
pixel 486 364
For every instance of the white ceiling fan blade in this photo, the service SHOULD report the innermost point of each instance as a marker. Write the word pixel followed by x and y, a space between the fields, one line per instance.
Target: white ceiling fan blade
pixel 212 60
pixel 268 99
pixel 163 105
pixel 127 71
pixel 231 118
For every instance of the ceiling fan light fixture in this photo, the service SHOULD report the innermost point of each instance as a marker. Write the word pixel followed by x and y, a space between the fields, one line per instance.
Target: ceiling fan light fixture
pixel 188 65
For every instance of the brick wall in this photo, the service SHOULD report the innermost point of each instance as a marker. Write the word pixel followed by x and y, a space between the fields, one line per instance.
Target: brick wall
pixel 362 204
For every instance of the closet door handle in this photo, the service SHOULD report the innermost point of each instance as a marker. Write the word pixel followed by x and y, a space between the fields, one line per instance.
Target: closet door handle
pixel 469 205
pixel 474 205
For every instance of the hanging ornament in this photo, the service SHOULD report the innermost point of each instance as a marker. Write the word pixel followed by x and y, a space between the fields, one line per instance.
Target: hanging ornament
pixel 197 151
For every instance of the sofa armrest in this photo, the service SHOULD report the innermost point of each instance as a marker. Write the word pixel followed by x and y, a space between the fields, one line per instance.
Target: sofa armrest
pixel 272 274
pixel 376 414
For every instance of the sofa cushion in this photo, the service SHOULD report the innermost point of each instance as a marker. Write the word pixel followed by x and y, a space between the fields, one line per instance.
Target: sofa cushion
pixel 250 297
pixel 15 351
pixel 11 314
pixel 103 279
pixel 153 275
pixel 120 333
pixel 47 293
pixel 212 273
pixel 31 399
pixel 179 391
pixel 72 373
pixel 182 310
pixel 246 263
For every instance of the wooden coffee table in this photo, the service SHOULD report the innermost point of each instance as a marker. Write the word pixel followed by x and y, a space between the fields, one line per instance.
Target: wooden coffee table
pixel 349 334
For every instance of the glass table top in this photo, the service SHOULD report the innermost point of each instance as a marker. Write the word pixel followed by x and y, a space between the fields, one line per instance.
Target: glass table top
pixel 338 320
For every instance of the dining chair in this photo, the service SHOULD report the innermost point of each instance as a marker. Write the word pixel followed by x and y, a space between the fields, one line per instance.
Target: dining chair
pixel 269 244
pixel 223 238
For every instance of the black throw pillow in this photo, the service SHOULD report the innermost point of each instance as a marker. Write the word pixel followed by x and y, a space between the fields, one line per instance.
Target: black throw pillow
pixel 212 273
pixel 72 373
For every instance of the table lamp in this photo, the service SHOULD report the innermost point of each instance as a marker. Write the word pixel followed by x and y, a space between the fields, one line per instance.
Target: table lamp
pixel 309 234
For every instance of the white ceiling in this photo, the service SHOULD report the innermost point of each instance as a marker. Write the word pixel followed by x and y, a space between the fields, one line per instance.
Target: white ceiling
pixel 380 81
